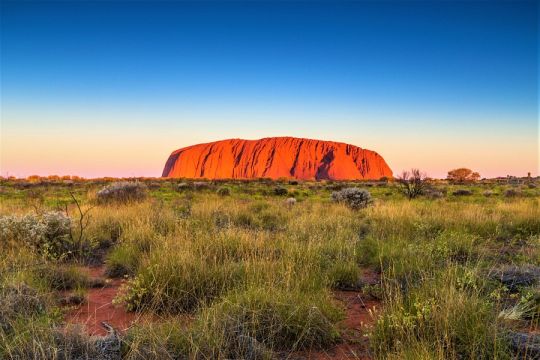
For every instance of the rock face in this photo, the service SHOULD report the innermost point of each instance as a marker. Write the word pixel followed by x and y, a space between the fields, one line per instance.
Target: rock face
pixel 274 158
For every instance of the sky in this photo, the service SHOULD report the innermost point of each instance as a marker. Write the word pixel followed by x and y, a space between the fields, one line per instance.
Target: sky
pixel 111 88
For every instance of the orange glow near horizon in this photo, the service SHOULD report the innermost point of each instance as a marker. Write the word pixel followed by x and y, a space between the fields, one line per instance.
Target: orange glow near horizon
pixel 143 153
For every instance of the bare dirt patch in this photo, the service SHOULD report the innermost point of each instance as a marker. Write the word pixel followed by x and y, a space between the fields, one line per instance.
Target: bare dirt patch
pixel 98 306
pixel 360 309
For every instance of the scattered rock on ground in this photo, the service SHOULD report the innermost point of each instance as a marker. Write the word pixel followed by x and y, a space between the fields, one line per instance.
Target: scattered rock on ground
pixel 526 346
pixel 515 276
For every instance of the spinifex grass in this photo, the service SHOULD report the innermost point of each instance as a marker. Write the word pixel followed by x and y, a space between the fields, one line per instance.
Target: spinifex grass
pixel 248 274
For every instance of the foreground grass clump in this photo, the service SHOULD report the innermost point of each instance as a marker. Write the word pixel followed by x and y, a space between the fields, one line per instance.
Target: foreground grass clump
pixel 123 260
pixel 260 216
pixel 177 284
pixel 41 342
pixel 19 302
pixel 445 314
pixel 63 277
pixel 168 339
pixel 253 321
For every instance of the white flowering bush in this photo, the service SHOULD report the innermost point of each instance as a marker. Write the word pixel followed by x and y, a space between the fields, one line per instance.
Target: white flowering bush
pixel 290 202
pixel 48 234
pixel 122 192
pixel 354 198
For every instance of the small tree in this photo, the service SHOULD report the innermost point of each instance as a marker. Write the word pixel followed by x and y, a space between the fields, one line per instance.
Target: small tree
pixel 462 175
pixel 412 183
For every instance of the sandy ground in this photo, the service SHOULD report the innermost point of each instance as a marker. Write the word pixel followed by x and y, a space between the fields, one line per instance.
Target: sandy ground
pixel 359 310
pixel 99 307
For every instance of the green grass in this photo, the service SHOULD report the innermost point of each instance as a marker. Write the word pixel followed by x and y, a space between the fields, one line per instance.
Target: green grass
pixel 244 274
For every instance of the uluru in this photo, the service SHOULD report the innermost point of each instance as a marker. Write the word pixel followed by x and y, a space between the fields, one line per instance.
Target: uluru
pixel 276 157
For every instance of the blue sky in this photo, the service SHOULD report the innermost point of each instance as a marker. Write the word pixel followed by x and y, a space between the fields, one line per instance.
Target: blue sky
pixel 111 88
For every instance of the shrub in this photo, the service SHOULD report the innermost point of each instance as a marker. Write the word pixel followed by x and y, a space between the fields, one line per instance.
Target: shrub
pixel 74 343
pixel 70 343
pixel 49 234
pixel 64 278
pixel 433 194
pixel 106 230
pixel 290 202
pixel 412 183
pixel 221 219
pixel 511 193
pixel 280 191
pixel 462 192
pixel 282 320
pixel 334 186
pixel 344 276
pixel 183 186
pixel 224 191
pixel 122 192
pixel 442 312
pixel 354 198
pixel 267 219
pixel 153 185
pixel 122 260
pixel 160 340
pixel 19 301
pixel 201 185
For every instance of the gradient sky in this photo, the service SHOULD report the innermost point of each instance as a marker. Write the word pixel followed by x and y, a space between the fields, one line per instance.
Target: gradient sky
pixel 111 88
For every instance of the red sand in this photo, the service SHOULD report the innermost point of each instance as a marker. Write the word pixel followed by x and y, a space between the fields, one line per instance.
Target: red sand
pixel 358 318
pixel 98 307
pixel 275 158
